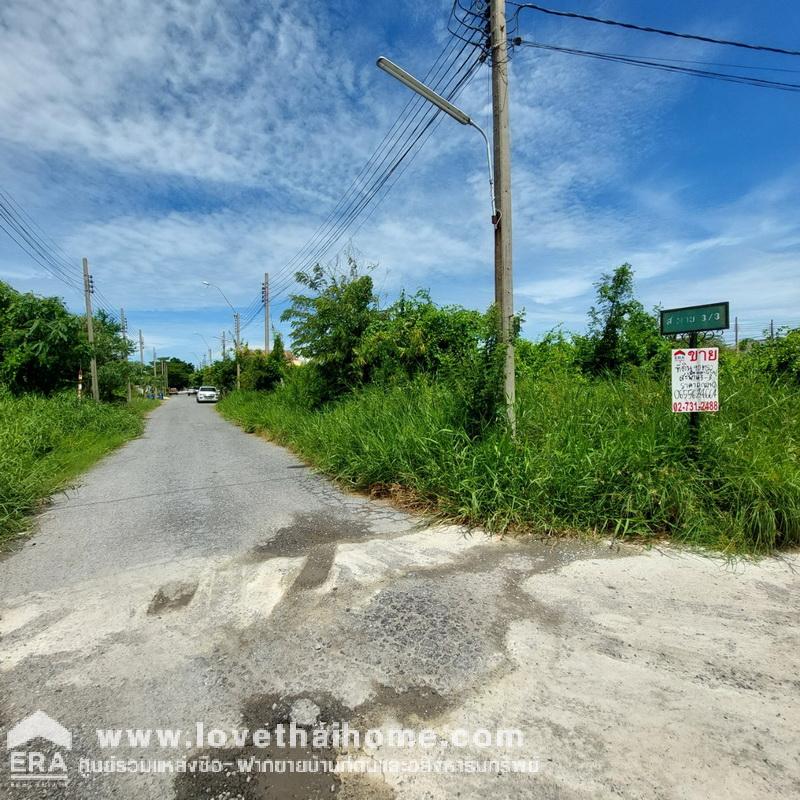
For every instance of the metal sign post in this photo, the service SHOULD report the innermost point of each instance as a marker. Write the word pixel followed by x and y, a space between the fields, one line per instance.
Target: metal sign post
pixel 695 370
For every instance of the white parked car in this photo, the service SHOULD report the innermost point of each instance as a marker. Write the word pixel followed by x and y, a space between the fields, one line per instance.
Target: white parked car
pixel 207 394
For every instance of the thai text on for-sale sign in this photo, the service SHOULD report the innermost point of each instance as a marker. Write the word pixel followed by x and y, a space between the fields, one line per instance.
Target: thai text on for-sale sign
pixel 695 379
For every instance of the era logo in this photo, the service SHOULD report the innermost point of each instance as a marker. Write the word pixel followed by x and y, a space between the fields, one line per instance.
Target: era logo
pixel 35 765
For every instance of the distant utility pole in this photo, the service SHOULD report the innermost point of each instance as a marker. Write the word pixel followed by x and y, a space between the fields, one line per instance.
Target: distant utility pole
pixel 154 362
pixel 124 325
pixel 88 288
pixel 236 346
pixel 503 283
pixel 141 348
pixel 265 298
pixel 224 350
pixel 210 358
pixel 736 334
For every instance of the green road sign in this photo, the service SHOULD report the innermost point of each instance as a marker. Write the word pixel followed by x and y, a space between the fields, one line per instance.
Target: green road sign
pixel 712 317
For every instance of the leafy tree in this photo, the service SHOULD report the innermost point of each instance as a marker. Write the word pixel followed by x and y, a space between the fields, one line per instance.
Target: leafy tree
pixel 621 333
pixel 328 324
pixel 111 349
pixel 221 374
pixel 264 372
pixel 41 343
pixel 779 356
pixel 415 336
pixel 553 353
pixel 179 373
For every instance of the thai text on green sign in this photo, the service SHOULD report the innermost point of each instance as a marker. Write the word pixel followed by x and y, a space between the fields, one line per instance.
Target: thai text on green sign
pixel 712 317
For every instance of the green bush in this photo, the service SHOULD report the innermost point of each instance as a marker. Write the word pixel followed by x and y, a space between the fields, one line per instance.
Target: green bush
pixel 779 356
pixel 264 372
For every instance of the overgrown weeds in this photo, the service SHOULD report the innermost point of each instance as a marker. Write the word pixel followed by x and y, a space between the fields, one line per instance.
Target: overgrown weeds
pixel 591 454
pixel 45 442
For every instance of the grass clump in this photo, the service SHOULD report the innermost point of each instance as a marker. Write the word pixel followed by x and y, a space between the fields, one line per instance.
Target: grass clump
pixel 46 441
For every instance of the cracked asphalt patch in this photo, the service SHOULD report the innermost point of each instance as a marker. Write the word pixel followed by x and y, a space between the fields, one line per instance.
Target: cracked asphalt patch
pixel 242 590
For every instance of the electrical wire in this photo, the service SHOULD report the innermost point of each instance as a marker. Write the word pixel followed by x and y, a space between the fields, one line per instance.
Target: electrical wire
pixel 393 150
pixel 27 239
pixel 21 228
pixel 749 80
pixel 349 215
pixel 647 29
pixel 366 178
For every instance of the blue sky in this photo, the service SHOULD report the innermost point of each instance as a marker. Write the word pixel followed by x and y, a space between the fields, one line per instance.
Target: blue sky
pixel 180 141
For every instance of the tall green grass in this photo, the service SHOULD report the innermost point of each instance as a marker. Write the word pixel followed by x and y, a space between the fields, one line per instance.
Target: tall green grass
pixel 45 442
pixel 590 455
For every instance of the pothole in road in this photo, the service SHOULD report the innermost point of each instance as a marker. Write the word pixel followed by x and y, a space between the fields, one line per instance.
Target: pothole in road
pixel 172 595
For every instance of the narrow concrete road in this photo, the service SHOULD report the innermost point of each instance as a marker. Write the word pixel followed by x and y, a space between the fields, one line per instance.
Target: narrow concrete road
pixel 201 575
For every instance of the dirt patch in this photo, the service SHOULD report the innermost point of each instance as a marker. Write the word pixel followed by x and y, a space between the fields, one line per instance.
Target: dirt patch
pixel 314 535
pixel 309 531
pixel 417 703
pixel 315 571
pixel 172 595
pixel 279 776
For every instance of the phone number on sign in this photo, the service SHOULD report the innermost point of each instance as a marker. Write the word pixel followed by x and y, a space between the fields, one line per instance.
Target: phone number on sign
pixel 693 405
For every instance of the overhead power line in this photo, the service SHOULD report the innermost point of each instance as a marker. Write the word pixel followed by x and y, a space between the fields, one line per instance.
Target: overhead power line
pixel 21 228
pixel 449 74
pixel 664 66
pixel 376 182
pixel 647 29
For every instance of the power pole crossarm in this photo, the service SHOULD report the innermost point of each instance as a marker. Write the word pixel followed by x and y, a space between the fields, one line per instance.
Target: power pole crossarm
pixel 88 288
pixel 503 286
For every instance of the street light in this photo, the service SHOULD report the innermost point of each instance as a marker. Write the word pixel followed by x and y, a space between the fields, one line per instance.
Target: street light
pixel 502 298
pixel 235 327
pixel 444 105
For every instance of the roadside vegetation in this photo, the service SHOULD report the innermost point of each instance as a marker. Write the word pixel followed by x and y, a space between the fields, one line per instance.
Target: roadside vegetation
pixel 402 401
pixel 45 442
pixel 48 435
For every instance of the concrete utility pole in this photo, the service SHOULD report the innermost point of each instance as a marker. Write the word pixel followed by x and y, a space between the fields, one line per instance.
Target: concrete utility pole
pixel 503 283
pixel 124 324
pixel 88 288
pixel 236 349
pixel 224 350
pixel 154 362
pixel 141 348
pixel 265 298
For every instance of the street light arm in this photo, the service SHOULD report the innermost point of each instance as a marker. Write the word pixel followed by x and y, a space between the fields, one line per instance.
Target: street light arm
pixel 495 217
pixel 441 103
pixel 208 283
